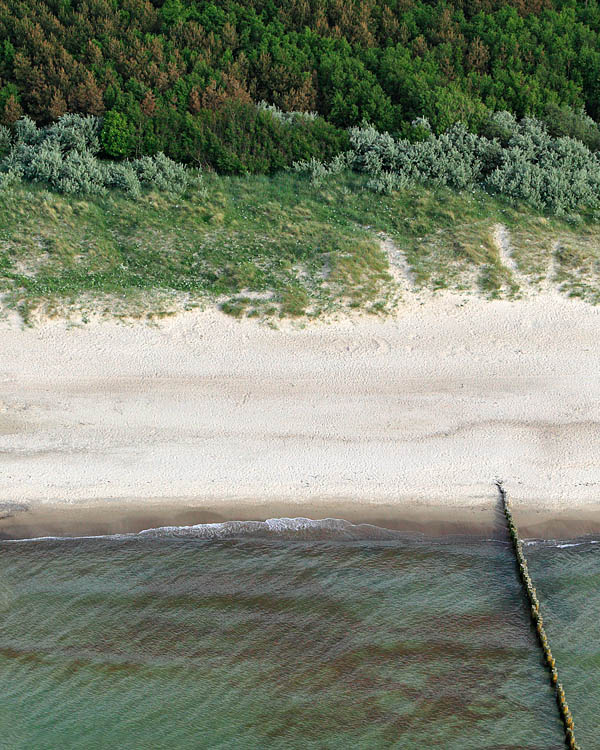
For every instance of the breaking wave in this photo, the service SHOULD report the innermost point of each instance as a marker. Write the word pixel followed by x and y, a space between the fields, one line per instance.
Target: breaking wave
pixel 307 529
pixel 280 528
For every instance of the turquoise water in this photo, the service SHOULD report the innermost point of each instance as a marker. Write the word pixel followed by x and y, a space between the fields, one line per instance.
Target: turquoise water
pixel 182 642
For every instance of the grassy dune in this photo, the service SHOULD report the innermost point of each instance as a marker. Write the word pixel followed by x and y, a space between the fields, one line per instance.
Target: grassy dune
pixel 278 247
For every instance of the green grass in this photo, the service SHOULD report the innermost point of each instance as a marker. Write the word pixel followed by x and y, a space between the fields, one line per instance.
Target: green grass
pixel 565 253
pixel 271 247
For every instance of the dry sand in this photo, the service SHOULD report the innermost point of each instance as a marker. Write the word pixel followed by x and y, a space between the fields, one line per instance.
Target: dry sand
pixel 403 421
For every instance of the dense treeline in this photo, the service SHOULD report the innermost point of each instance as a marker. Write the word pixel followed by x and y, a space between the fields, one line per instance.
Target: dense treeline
pixel 184 76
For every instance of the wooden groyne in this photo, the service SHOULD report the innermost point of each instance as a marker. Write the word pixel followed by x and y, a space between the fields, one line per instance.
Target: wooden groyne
pixel 538 621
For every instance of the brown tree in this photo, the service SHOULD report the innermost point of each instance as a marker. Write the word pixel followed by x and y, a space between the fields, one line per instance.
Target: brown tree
pixel 478 56
pixel 390 25
pixel 87 97
pixel 195 101
pixel 148 105
pixel 303 98
pixel 58 105
pixel 213 97
pixel 12 111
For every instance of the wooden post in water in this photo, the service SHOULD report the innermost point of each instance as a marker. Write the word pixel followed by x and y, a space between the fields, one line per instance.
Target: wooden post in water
pixel 536 617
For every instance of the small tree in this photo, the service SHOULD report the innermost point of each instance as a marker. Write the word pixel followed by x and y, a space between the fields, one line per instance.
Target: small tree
pixel 117 136
pixel 12 110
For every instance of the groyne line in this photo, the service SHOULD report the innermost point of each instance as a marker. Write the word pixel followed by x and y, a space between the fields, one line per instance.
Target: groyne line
pixel 536 617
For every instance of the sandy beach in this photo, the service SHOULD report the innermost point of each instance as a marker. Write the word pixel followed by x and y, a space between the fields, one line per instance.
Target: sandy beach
pixel 405 421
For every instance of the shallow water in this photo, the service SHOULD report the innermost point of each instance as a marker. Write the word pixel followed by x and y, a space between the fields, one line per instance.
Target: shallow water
pixel 567 579
pixel 161 642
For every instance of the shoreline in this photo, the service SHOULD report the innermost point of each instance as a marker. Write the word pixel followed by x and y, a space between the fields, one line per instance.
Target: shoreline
pixel 403 421
pixel 479 522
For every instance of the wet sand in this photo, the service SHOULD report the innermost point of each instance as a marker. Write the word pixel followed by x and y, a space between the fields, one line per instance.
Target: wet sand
pixel 21 522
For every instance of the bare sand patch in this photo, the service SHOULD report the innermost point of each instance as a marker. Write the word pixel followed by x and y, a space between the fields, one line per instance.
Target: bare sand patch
pixel 368 416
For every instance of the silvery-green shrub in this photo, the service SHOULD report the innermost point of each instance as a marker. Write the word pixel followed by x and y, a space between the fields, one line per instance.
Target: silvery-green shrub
pixel 500 125
pixel 45 164
pixel 122 176
pixel 9 180
pixel 339 163
pixel 27 132
pixel 531 139
pixel 316 169
pixel 517 159
pixel 13 162
pixel 422 123
pixel 63 156
pixel 386 182
pixel 80 174
pixel 319 171
pixel 372 151
pixel 558 174
pixel 5 140
pixel 453 158
pixel 76 133
pixel 161 173
pixel 287 117
pixel 421 129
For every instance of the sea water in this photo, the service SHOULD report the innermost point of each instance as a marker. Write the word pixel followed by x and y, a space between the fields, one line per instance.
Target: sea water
pixel 567 578
pixel 286 636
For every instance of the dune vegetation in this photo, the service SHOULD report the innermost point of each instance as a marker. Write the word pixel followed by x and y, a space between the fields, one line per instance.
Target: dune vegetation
pixel 279 246
pixel 409 145
pixel 504 212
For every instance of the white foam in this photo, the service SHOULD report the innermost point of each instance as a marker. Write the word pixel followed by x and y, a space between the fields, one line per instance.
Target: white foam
pixel 284 528
pixel 299 528
pixel 559 544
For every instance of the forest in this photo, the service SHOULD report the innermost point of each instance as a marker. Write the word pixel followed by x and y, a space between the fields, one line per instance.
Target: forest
pixel 211 84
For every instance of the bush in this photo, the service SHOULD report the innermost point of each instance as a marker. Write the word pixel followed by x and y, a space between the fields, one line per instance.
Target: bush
pixel 161 173
pixel 372 151
pixel 319 171
pixel 26 132
pixel 76 133
pixel 562 121
pixel 81 174
pixel 559 174
pixel 116 135
pixel 45 164
pixel 386 182
pixel 75 172
pixel 9 180
pixel 238 138
pixel 521 160
pixel 122 175
pixel 287 117
pixel 5 140
pixel 242 138
pixel 501 126
pixel 63 156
